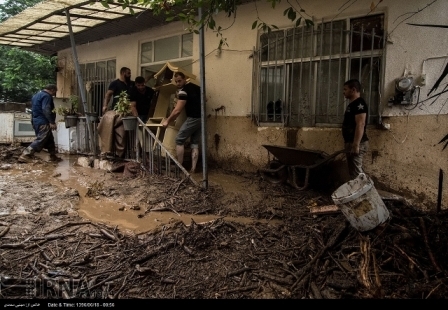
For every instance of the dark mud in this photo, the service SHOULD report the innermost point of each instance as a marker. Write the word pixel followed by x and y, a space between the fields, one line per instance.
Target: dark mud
pixel 244 238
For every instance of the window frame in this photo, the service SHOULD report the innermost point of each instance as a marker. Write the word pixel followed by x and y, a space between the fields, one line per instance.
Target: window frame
pixel 315 60
pixel 160 63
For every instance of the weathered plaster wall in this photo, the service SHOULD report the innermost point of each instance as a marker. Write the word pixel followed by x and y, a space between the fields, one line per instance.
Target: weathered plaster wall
pixel 125 49
pixel 405 159
pixel 410 165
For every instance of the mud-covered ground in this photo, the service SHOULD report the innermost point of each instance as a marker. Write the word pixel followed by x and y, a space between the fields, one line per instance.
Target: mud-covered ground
pixel 68 231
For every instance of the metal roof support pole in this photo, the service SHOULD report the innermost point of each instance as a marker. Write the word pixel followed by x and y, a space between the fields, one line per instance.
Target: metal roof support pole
pixel 203 117
pixel 80 81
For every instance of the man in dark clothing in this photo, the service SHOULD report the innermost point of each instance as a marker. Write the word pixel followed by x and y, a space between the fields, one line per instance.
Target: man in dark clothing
pixel 110 129
pixel 44 121
pixel 354 127
pixel 189 96
pixel 141 98
pixel 123 83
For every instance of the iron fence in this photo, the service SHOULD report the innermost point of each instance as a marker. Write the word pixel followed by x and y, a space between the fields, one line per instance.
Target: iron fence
pixel 142 146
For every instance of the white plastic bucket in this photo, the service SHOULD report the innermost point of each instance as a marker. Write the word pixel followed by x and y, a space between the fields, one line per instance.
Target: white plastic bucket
pixel 360 203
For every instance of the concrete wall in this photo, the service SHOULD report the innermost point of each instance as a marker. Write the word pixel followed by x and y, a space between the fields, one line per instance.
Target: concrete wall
pixel 406 159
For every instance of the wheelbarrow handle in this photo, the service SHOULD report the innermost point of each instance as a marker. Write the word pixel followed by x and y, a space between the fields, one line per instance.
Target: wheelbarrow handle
pixel 271 170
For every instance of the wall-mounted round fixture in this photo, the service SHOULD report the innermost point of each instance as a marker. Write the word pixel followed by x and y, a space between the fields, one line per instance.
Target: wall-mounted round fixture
pixel 404 84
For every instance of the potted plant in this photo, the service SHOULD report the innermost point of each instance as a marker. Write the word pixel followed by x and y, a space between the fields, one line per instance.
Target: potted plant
pixel 123 108
pixel 70 114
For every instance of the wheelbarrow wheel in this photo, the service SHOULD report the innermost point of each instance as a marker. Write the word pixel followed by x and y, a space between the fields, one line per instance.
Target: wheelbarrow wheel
pixel 275 173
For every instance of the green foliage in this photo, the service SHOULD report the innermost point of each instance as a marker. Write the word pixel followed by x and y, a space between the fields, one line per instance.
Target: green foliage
pixel 22 73
pixel 123 106
pixel 73 110
pixel 12 7
pixel 186 11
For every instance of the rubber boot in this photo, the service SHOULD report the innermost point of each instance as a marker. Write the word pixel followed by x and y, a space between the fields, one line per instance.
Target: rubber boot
pixel 52 151
pixel 27 155
pixel 194 159
pixel 55 158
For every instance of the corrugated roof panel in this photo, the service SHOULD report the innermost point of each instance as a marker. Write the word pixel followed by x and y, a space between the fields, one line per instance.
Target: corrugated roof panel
pixel 6 40
pixel 59 19
pixel 64 28
pixel 29 32
pixel 13 35
pixel 79 22
pixel 45 39
pixel 101 14
pixel 90 22
pixel 41 27
pixel 21 44
pixel 32 41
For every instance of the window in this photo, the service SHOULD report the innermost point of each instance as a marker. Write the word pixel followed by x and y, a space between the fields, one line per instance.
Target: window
pixel 98 75
pixel 302 71
pixel 177 50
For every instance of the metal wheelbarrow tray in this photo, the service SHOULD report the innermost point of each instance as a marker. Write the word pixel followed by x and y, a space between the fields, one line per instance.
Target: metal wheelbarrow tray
pixel 289 159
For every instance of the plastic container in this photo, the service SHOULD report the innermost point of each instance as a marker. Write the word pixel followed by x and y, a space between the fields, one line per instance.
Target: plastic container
pixel 71 121
pixel 360 203
pixel 129 123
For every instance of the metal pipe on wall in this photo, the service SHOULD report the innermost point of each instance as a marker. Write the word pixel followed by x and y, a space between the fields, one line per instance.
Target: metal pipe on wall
pixel 203 116
pixel 80 80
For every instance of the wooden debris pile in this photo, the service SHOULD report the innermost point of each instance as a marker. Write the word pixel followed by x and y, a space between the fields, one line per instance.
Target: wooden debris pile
pixel 311 257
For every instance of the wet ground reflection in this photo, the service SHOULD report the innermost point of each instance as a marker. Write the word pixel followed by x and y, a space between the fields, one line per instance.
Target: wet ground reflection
pixel 67 174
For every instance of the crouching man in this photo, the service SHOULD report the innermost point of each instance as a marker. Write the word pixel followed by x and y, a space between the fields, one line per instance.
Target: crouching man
pixel 44 122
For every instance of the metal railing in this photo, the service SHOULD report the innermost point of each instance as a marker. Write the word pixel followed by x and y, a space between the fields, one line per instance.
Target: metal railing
pixel 155 157
pixel 142 146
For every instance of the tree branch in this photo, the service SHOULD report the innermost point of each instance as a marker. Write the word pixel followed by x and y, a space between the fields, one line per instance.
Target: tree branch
pixel 412 15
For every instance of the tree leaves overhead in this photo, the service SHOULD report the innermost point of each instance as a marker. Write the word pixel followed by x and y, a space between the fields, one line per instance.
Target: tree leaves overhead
pixel 23 73
pixel 187 12
pixel 13 7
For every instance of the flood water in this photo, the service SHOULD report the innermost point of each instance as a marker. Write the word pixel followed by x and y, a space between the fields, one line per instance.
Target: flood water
pixel 66 174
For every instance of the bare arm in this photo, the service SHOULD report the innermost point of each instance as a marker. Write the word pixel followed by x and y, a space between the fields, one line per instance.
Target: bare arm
pixel 175 113
pixel 360 120
pixel 134 108
pixel 107 97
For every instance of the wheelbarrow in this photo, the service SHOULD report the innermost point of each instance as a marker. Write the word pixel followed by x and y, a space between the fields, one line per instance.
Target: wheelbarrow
pixel 288 161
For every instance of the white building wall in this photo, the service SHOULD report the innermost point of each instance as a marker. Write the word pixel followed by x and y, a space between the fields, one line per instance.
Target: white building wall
pixel 406 158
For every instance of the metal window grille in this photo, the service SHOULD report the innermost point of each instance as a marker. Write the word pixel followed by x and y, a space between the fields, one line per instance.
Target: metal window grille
pixel 301 71
pixel 97 77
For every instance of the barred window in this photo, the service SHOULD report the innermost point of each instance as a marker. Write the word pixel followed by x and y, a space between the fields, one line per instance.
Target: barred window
pixel 302 71
pixel 98 75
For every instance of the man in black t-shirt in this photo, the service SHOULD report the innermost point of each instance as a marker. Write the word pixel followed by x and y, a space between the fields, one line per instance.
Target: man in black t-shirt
pixel 354 127
pixel 189 96
pixel 123 83
pixel 141 98
pixel 110 129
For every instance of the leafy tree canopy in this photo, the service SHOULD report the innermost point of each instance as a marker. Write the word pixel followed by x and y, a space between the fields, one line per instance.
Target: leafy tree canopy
pixel 186 11
pixel 23 73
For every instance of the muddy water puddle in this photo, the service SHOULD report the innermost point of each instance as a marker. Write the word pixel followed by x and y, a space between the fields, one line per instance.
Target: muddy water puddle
pixel 115 212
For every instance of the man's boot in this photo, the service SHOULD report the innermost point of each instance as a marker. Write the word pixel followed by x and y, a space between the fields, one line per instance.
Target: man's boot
pixel 55 158
pixel 194 159
pixel 27 155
